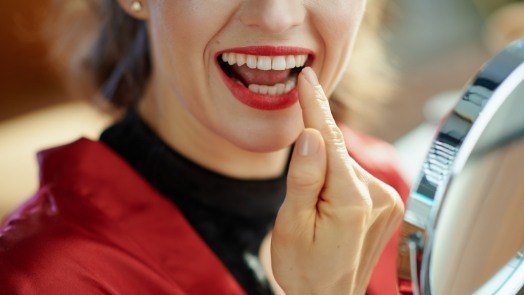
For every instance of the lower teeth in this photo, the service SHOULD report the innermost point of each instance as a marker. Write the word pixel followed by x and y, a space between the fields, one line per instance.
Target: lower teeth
pixel 273 90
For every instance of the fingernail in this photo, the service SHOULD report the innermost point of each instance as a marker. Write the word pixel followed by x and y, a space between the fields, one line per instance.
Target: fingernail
pixel 307 144
pixel 310 76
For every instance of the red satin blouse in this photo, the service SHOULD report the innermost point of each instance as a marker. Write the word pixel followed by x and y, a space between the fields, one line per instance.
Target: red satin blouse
pixel 92 227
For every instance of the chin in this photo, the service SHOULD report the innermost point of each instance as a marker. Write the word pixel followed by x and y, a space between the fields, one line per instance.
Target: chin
pixel 265 140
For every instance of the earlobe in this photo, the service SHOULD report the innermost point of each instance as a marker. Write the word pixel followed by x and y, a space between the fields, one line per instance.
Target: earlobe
pixel 135 8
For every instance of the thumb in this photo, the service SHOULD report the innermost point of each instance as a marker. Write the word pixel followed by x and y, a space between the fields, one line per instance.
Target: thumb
pixel 307 172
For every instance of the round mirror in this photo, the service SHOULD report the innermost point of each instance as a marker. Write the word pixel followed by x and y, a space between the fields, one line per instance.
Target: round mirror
pixel 468 203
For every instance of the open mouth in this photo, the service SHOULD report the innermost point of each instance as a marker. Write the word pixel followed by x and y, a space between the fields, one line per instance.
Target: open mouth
pixel 265 75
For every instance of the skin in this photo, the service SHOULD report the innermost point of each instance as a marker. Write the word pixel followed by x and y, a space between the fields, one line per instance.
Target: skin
pixel 336 218
pixel 195 112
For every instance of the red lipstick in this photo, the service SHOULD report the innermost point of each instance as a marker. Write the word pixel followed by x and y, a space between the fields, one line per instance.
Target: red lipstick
pixel 268 50
pixel 257 100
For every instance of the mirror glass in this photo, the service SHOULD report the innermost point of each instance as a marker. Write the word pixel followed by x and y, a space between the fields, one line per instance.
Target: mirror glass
pixel 468 203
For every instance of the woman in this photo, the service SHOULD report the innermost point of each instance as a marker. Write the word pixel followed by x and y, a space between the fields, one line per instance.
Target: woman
pixel 180 197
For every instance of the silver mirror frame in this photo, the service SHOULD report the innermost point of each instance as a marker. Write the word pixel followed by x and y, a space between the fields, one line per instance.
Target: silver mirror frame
pixel 451 148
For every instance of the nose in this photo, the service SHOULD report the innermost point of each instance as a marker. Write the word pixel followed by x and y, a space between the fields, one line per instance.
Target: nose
pixel 272 16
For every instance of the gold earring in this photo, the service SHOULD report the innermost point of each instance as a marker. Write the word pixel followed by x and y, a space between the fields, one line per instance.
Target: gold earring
pixel 136 6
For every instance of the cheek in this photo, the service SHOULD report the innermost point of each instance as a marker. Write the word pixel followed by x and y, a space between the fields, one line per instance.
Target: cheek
pixel 181 32
pixel 337 24
pixel 337 20
pixel 186 27
pixel 188 19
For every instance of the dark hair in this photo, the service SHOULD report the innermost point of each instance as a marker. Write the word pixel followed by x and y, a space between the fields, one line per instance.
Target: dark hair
pixel 99 47
pixel 98 43
pixel 120 59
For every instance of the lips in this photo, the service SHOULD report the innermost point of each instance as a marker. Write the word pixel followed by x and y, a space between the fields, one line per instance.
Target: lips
pixel 263 77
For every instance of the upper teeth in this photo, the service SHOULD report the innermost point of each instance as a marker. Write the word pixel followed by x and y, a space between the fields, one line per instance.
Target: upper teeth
pixel 265 63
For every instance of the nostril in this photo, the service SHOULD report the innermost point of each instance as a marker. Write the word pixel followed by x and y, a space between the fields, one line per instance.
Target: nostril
pixel 273 17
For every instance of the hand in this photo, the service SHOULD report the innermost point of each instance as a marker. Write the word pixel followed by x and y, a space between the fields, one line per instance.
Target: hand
pixel 336 217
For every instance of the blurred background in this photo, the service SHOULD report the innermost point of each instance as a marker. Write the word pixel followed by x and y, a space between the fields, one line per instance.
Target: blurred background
pixel 435 47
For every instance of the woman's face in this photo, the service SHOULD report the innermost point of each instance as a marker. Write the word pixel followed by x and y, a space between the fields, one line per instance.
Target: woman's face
pixel 215 59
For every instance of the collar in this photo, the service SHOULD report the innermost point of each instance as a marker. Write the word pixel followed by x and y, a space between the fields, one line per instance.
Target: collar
pixel 180 179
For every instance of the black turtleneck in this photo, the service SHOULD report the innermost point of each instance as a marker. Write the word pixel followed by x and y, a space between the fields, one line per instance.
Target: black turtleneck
pixel 231 215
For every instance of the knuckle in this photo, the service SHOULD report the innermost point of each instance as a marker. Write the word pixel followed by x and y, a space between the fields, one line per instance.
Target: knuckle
pixel 366 206
pixel 391 200
pixel 360 198
pixel 321 98
pixel 365 211
pixel 363 205
pixel 337 136
pixel 333 132
pixel 354 203
pixel 364 202
pixel 399 206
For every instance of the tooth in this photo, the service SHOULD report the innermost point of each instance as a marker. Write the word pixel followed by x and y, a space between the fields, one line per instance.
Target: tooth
pixel 278 63
pixel 290 84
pixel 280 88
pixel 225 57
pixel 241 59
pixel 272 90
pixel 290 62
pixel 232 59
pixel 264 63
pixel 298 61
pixel 238 82
pixel 304 59
pixel 254 88
pixel 301 60
pixel 262 89
pixel 251 61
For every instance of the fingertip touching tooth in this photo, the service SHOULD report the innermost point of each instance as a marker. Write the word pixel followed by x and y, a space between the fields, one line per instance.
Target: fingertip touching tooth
pixel 300 60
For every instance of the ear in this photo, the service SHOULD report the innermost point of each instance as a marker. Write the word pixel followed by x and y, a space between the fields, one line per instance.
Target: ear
pixel 135 8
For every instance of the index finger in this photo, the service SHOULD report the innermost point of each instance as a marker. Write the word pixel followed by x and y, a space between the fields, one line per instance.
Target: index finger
pixel 317 114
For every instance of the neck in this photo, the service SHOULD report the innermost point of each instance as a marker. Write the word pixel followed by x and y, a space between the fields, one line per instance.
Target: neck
pixel 182 132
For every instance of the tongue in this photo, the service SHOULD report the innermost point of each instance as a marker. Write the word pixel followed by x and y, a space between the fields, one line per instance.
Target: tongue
pixel 255 76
